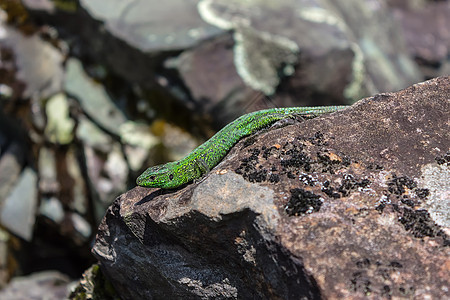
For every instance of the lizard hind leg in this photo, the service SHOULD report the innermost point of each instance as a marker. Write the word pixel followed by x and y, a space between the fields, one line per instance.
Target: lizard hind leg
pixel 292 119
pixel 202 168
pixel 289 120
pixel 286 121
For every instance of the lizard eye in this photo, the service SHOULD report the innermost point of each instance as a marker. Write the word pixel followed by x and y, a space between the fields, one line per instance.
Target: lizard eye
pixel 171 176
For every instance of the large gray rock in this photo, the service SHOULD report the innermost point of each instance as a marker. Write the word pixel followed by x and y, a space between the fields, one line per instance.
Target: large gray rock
pixel 348 205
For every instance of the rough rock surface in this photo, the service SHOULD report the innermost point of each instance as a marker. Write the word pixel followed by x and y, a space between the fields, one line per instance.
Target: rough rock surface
pixel 347 205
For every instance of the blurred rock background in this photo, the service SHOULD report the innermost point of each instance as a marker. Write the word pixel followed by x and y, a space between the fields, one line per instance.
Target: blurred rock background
pixel 93 92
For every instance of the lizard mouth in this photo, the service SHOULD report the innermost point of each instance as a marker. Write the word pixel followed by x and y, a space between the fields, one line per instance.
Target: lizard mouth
pixel 151 176
pixel 140 180
pixel 145 180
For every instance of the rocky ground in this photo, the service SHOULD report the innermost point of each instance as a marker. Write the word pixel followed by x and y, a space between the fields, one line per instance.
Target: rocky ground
pixel 91 93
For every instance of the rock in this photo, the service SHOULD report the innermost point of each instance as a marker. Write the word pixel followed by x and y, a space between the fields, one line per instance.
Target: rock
pixel 140 34
pixel 59 129
pixel 210 73
pixel 177 142
pixel 40 5
pixel 80 199
pixel 264 52
pixel 138 141
pixel 174 25
pixel 91 135
pixel 325 34
pixel 48 181
pixel 347 205
pixel 107 173
pixel 38 64
pixel 52 209
pixel 10 166
pixel 209 57
pixel 6 92
pixel 81 226
pixel 68 187
pixel 50 285
pixel 61 184
pixel 427 37
pixel 319 51
pixel 436 179
pixel 18 211
pixel 93 98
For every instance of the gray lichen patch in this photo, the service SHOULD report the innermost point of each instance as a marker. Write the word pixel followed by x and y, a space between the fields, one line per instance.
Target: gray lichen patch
pixel 436 178
pixel 224 287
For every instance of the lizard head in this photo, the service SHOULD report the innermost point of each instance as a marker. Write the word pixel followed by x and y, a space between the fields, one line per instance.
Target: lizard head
pixel 162 176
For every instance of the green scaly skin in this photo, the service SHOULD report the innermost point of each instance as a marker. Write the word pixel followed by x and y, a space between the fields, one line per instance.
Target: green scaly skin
pixel 206 156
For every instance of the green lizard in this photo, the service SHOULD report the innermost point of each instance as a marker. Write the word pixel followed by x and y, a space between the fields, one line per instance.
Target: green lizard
pixel 206 156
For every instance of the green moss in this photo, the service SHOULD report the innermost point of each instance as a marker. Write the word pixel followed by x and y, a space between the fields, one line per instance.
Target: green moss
pixel 66 5
pixel 94 285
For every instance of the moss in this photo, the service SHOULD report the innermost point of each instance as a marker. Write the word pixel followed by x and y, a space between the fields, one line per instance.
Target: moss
pixel 70 6
pixel 94 285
